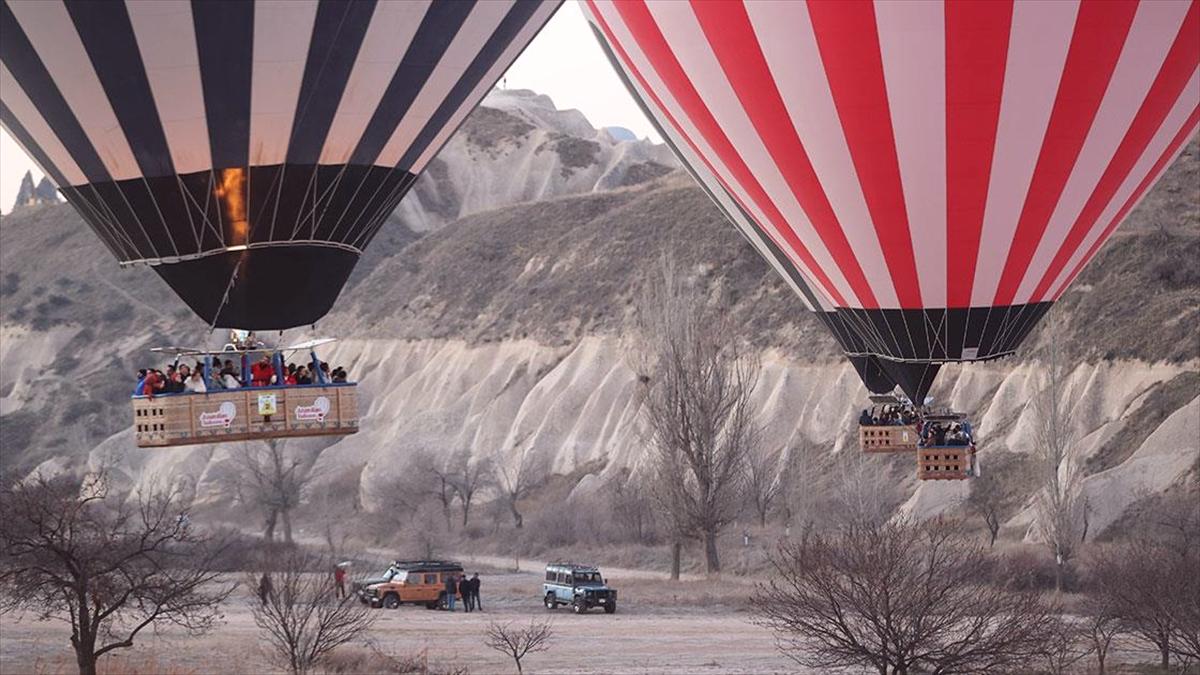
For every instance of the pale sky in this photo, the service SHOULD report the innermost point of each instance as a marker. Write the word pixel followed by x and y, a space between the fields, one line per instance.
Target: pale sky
pixel 563 62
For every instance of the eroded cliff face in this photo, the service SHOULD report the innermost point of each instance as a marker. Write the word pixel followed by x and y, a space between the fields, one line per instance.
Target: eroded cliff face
pixel 502 334
pixel 577 406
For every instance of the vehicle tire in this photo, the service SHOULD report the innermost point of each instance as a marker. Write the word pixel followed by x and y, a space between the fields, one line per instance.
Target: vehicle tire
pixel 432 604
pixel 579 607
pixel 441 601
pixel 550 602
pixel 610 608
pixel 391 601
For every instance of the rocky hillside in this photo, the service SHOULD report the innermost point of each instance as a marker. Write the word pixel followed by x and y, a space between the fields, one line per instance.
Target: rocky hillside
pixel 518 147
pixel 503 332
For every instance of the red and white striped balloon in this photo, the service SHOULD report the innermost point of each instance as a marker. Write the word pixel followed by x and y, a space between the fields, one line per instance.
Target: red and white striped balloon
pixel 944 158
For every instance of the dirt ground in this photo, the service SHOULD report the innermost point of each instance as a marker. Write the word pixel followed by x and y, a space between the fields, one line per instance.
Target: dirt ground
pixel 660 627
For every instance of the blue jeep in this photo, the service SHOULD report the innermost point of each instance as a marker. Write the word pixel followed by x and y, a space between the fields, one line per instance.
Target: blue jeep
pixel 579 586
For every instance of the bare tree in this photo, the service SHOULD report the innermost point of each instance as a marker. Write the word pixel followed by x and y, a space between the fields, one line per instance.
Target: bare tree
pixel 1066 644
pixel 301 616
pixel 1138 581
pixel 109 567
pixel 438 477
pixel 1060 506
pixel 519 642
pixel 516 481
pixel 273 481
pixel 898 597
pixel 763 479
pixel 631 504
pixel 1102 625
pixel 994 495
pixel 697 380
pixel 859 496
pixel 468 478
pixel 799 492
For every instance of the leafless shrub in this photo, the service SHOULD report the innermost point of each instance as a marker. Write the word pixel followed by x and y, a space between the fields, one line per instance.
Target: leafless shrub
pixel 519 641
pixel 896 597
pixel 996 494
pixel 1101 625
pixel 373 660
pixel 697 380
pixel 763 479
pixel 632 506
pixel 799 497
pixel 300 614
pixel 1150 582
pixel 109 567
pixel 468 478
pixel 1066 644
pixel 516 481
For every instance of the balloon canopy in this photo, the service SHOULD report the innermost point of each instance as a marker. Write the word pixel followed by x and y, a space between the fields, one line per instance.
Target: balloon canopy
pixel 248 151
pixel 928 176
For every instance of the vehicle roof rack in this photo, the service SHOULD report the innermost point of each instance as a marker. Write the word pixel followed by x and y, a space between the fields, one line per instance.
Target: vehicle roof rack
pixel 573 566
pixel 425 564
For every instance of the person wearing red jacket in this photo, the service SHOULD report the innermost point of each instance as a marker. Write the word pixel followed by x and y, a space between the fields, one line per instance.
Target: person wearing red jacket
pixel 261 372
pixel 152 384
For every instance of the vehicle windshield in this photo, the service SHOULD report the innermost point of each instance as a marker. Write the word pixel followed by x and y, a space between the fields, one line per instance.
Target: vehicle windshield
pixel 588 578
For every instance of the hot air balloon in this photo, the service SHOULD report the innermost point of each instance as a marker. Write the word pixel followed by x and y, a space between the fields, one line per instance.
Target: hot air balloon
pixel 928 176
pixel 248 151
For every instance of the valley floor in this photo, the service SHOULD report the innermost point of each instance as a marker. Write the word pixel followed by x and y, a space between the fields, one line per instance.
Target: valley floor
pixel 642 637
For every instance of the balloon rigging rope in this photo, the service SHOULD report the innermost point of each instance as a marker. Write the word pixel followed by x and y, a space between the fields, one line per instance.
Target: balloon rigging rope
pixel 228 289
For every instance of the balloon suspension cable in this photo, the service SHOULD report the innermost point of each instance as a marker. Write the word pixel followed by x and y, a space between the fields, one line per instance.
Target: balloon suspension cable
pixel 228 289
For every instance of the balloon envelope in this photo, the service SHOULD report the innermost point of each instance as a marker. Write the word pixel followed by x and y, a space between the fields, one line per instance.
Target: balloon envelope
pixel 930 177
pixel 249 151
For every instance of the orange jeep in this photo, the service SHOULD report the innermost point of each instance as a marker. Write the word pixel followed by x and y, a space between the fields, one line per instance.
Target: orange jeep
pixel 417 582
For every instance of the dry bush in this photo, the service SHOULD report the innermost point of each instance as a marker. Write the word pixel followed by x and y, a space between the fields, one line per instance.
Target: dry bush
pixel 1152 580
pixel 372 660
pixel 896 597
pixel 301 617
pixel 519 641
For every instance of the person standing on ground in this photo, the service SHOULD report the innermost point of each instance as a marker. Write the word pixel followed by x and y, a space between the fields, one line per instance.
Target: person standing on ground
pixel 475 592
pixel 451 588
pixel 265 588
pixel 464 589
pixel 339 578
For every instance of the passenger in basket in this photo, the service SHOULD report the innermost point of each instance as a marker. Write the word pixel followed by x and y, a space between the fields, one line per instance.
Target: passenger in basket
pixel 865 418
pixel 153 383
pixel 139 389
pixel 339 375
pixel 229 381
pixel 261 373
pixel 289 377
pixel 195 384
pixel 303 376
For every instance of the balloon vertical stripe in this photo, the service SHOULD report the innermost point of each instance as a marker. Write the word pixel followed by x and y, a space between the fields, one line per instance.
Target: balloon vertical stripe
pixel 728 30
pixel 1167 88
pixel 225 45
pixel 976 56
pixel 1100 32
pixel 849 42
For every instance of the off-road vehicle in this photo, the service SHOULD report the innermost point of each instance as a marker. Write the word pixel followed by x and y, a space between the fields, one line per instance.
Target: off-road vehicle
pixel 579 586
pixel 417 582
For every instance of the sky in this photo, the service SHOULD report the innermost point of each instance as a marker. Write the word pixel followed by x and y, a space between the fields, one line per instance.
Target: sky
pixel 563 62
